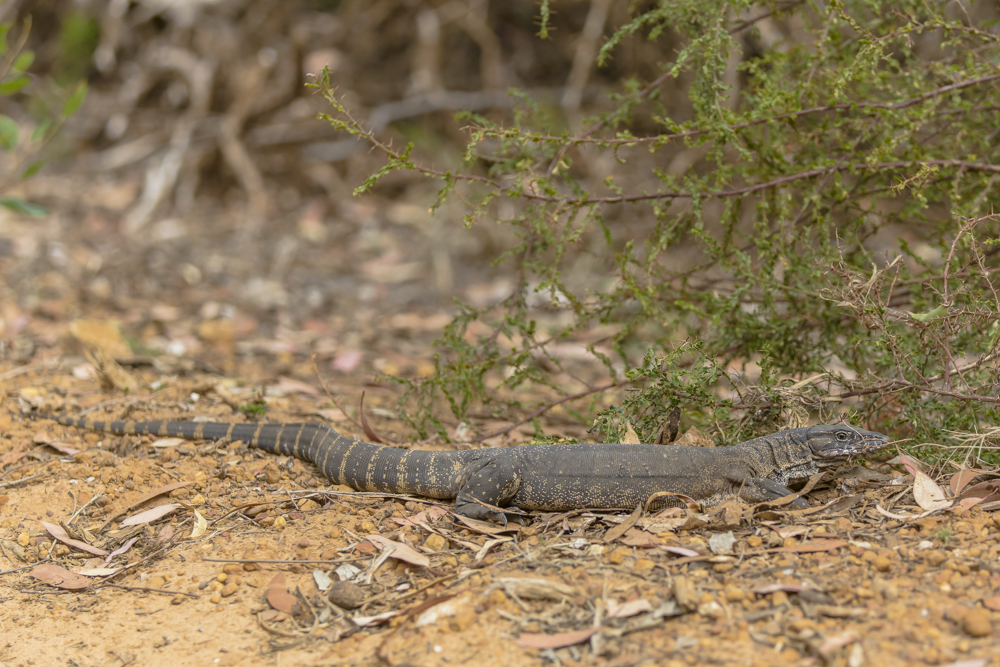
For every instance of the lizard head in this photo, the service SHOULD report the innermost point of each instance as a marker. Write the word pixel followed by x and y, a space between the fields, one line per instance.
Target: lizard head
pixel 831 444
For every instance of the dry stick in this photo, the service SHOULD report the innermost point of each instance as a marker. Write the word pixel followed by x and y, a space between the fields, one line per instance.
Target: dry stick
pixel 23 480
pixel 329 394
pixel 545 408
pixel 144 589
pixel 279 562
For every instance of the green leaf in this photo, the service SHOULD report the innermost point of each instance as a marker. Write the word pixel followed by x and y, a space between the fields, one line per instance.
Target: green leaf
pixel 9 133
pixel 24 60
pixel 4 28
pixel 75 100
pixel 31 169
pixel 41 130
pixel 936 314
pixel 23 207
pixel 11 86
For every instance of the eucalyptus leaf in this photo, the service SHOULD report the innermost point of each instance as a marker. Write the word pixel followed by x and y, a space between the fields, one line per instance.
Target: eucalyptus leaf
pixel 25 208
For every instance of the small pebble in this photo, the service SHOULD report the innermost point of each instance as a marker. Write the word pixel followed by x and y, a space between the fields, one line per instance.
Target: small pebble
pixel 346 595
pixel 977 623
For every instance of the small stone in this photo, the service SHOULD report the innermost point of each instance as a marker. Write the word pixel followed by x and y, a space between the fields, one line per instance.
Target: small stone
pixel 24 539
pixel 280 523
pixel 779 598
pixel 882 564
pixel 643 565
pixel 272 473
pixel 346 595
pixel 977 623
pixel 734 594
pixel 617 556
pixel 221 577
pixel 216 598
pixel 310 505
pixel 936 558
pixel 685 593
pixel 232 568
pixel 992 603
pixel 435 543
pixel 177 599
pixel 228 589
pixel 156 582
pixel 754 541
pixel 722 568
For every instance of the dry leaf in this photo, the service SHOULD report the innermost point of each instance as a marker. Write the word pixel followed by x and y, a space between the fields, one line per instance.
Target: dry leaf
pixel 557 640
pixel 364 621
pixel 635 537
pixel 831 644
pixel 622 528
pixel 150 515
pixel 57 532
pixel 149 496
pixel 64 448
pixel 682 551
pixel 535 588
pixel 286 385
pixel 631 437
pixel 369 431
pixel 928 495
pixel 200 525
pixel 279 597
pixel 163 443
pixel 98 571
pixel 428 515
pixel 400 551
pixel 901 517
pixel 122 549
pixel 59 577
pixel 485 527
pixel 627 609
pixel 787 588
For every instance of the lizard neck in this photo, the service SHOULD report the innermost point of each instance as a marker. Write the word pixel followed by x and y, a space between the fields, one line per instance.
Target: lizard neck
pixel 783 456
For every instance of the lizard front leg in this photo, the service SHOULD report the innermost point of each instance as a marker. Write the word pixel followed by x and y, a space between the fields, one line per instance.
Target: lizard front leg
pixel 762 490
pixel 493 481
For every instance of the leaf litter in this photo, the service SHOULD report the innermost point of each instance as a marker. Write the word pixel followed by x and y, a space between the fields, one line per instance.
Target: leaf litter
pixel 816 581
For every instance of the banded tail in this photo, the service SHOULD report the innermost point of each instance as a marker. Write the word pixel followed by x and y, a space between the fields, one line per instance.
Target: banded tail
pixel 360 465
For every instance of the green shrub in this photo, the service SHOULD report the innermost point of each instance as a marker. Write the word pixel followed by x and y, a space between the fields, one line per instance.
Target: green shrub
pixel 848 134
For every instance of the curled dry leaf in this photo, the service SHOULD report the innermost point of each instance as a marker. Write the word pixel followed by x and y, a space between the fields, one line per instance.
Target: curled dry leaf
pixel 60 577
pixel 400 551
pixel 926 492
pixel 57 532
pixel 630 437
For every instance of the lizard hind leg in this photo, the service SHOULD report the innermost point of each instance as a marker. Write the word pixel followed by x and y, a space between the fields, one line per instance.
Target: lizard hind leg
pixel 491 482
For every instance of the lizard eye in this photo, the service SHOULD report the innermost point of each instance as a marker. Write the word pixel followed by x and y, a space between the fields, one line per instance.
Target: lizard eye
pixel 841 436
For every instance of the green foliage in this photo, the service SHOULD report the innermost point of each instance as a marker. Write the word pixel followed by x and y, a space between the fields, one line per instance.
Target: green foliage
pixel 254 408
pixel 79 36
pixel 22 141
pixel 794 306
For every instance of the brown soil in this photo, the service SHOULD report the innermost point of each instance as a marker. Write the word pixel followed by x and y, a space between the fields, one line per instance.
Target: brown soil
pixel 841 586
